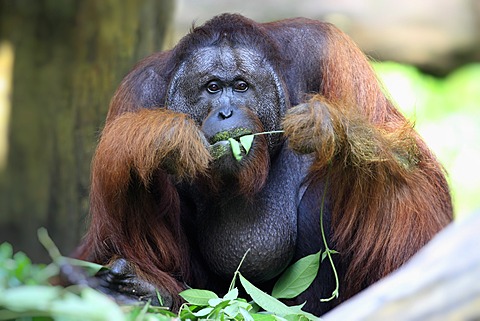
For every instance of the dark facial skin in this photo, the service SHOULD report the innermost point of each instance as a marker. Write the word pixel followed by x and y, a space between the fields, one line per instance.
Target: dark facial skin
pixel 229 92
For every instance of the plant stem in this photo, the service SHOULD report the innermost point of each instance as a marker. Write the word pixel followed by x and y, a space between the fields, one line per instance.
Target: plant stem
pixel 270 132
pixel 49 245
pixel 328 251
pixel 232 284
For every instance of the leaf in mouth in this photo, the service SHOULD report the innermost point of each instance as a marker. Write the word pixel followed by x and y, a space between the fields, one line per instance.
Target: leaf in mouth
pixel 235 146
pixel 246 142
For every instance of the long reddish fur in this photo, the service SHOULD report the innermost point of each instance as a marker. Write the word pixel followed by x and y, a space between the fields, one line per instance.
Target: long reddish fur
pixel 389 194
pixel 135 209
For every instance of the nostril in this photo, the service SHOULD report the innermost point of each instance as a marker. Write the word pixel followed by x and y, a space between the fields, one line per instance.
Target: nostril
pixel 224 114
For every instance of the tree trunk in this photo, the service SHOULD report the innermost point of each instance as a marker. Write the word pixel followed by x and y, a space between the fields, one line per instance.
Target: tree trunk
pixel 69 57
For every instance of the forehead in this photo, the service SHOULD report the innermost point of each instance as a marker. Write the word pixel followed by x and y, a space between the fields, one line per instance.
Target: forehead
pixel 225 61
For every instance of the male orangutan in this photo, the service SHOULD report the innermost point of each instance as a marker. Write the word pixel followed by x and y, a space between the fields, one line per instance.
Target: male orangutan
pixel 171 206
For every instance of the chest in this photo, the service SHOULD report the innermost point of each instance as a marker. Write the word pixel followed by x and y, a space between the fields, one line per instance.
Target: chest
pixel 264 225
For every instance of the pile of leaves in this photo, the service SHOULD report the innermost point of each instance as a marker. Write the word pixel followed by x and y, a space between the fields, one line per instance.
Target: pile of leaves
pixel 26 294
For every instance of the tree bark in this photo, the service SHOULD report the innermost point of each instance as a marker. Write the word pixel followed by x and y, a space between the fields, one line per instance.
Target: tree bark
pixel 70 56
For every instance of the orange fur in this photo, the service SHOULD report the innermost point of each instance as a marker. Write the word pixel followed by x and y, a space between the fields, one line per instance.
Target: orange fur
pixel 388 192
pixel 141 223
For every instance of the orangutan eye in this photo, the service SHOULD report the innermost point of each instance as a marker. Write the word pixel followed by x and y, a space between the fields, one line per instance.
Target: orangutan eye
pixel 213 87
pixel 240 86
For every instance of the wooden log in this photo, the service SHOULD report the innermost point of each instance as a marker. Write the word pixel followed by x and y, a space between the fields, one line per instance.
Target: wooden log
pixel 441 282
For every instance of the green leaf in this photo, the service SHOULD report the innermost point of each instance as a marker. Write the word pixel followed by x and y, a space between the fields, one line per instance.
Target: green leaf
pixel 221 304
pixel 264 300
pixel 231 295
pixel 263 317
pixel 298 314
pixel 6 251
pixel 235 146
pixel 296 317
pixel 198 297
pixel 159 297
pixel 214 302
pixel 89 305
pixel 324 255
pixel 186 312
pixel 48 243
pixel 232 310
pixel 246 316
pixel 244 304
pixel 89 267
pixel 57 303
pixel 272 305
pixel 246 142
pixel 298 308
pixel 25 298
pixel 41 274
pixel 297 278
pixel 203 312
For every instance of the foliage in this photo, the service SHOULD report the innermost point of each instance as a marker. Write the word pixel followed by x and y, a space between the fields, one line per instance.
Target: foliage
pixel 25 293
pixel 17 269
pixel 203 304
